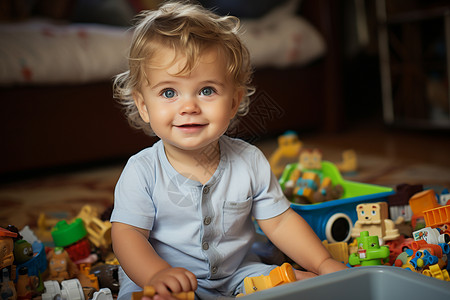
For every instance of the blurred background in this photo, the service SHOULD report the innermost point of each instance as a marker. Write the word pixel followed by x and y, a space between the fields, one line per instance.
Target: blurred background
pixel 321 67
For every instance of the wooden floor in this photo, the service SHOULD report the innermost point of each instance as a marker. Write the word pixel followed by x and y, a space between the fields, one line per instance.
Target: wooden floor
pixel 375 138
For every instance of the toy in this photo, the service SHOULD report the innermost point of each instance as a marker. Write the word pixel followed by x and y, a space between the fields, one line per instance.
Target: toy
pixel 73 238
pixel 399 202
pixel 60 265
pixel 421 202
pixel 436 272
pixel 339 250
pixel 26 285
pixel 103 294
pixel 431 236
pixel 86 278
pixel 349 162
pixel 289 146
pixel 37 265
pixel 310 159
pixel 98 231
pixel 333 220
pixel 70 290
pixel 373 217
pixel 7 288
pixel 107 276
pixel 278 276
pixel 23 252
pixel 444 197
pixel 397 246
pixel 438 217
pixel 149 291
pixel 6 248
pixel 370 253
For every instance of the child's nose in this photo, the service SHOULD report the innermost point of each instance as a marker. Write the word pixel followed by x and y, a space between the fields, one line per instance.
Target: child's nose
pixel 189 105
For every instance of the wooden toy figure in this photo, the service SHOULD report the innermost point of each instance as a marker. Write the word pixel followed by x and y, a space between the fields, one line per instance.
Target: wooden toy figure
pixel 373 217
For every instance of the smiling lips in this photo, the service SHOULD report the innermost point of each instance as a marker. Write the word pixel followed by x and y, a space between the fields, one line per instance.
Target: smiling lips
pixel 191 127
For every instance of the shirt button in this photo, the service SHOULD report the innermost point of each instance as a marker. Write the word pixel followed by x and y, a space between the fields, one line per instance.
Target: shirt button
pixel 214 270
pixel 205 246
pixel 207 220
pixel 206 190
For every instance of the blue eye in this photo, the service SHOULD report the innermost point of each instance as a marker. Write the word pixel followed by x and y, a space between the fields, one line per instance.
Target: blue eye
pixel 169 93
pixel 207 91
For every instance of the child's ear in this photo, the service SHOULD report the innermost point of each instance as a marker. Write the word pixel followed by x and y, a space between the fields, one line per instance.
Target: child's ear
pixel 142 108
pixel 237 99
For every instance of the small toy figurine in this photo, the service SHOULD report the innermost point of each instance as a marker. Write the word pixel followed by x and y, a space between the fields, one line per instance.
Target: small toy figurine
pixel 349 162
pixel 6 248
pixel 289 147
pixel 278 276
pixel 373 217
pixel 23 252
pixel 60 265
pixel 26 285
pixel 370 253
pixel 310 159
pixel 149 291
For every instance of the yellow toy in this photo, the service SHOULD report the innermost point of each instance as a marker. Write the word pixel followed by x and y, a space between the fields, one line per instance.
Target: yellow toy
pixel 339 250
pixel 149 291
pixel 98 231
pixel 349 161
pixel 435 271
pixel 289 147
pixel 278 276
pixel 373 217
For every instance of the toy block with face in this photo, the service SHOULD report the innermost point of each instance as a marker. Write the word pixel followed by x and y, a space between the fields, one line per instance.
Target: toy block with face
pixel 373 217
pixel 311 159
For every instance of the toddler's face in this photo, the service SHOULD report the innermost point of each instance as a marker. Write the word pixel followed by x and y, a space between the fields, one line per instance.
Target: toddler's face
pixel 191 111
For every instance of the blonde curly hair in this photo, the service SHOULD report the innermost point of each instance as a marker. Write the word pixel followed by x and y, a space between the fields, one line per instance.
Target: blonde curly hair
pixel 189 29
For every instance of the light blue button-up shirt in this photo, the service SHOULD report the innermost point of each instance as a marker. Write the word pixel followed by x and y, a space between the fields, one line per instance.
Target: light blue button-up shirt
pixel 206 229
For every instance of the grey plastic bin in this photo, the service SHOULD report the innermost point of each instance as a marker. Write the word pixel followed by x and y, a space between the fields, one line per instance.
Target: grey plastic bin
pixel 368 283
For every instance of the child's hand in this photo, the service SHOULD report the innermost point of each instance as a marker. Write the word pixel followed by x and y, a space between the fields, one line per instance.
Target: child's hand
pixel 172 280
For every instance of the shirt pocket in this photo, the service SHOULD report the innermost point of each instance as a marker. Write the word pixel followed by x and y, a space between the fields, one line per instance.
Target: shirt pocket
pixel 236 215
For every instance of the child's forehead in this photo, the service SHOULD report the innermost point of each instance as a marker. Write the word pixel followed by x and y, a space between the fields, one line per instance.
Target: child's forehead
pixel 169 58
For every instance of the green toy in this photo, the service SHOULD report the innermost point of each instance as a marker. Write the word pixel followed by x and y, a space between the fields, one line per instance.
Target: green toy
pixel 370 253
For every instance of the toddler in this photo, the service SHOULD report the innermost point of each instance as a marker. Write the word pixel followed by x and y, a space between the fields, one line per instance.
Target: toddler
pixel 182 217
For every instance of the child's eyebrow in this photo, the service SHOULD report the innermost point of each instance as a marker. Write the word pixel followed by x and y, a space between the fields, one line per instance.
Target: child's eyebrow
pixel 213 82
pixel 162 83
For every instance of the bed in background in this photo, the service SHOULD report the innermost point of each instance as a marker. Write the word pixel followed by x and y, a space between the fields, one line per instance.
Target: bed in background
pixel 55 85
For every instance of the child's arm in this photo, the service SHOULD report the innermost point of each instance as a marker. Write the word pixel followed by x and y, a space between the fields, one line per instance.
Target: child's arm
pixel 295 238
pixel 144 266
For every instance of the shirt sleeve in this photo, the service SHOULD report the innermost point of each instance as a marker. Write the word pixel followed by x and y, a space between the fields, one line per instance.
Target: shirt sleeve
pixel 133 203
pixel 268 198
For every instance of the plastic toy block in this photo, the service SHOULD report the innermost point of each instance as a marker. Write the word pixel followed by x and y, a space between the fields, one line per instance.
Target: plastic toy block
pixel 436 272
pixel 338 250
pixel 278 276
pixel 373 217
pixel 431 236
pixel 289 146
pixel 65 234
pixel 437 216
pixel 423 201
pixel 98 231
pixel 149 291
pixel 370 253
